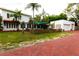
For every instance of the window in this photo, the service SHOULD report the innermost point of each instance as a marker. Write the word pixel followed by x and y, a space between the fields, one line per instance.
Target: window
pixel 12 25
pixel 8 16
pixel 23 25
pixel 7 25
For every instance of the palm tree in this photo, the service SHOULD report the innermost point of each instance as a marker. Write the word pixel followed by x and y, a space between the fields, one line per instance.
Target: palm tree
pixel 33 6
pixel 17 16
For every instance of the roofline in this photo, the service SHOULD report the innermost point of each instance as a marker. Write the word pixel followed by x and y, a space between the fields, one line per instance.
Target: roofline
pixel 13 11
pixel 62 19
pixel 58 20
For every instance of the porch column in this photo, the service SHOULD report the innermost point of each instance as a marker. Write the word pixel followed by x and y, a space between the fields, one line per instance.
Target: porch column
pixel 31 25
pixel 40 26
pixel 3 25
pixel 19 26
pixel 7 25
pixel 36 27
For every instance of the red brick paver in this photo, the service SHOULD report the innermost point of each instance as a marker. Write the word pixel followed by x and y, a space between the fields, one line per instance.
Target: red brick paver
pixel 67 46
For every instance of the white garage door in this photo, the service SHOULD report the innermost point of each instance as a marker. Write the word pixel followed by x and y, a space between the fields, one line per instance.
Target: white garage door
pixel 67 27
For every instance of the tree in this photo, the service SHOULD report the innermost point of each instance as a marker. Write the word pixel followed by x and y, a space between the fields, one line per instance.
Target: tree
pixel 45 16
pixel 23 26
pixel 33 6
pixel 56 17
pixel 62 16
pixel 17 16
pixel 1 23
pixel 37 18
pixel 71 11
pixel 30 22
pixel 42 16
pixel 77 11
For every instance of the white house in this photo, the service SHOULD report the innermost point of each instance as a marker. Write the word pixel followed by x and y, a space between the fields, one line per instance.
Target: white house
pixel 8 22
pixel 63 25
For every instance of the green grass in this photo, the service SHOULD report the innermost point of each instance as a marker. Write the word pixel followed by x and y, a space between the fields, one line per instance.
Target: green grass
pixel 14 38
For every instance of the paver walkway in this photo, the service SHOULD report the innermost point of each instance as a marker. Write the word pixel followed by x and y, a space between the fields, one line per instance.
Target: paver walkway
pixel 67 46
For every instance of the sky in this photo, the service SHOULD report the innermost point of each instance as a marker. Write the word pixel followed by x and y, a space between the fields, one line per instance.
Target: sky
pixel 50 6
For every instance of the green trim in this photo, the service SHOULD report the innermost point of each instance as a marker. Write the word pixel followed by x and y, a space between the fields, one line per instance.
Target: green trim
pixel 40 22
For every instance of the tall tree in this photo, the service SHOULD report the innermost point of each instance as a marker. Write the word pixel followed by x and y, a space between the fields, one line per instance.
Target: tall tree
pixel 70 10
pixel 77 11
pixel 33 6
pixel 42 17
pixel 73 10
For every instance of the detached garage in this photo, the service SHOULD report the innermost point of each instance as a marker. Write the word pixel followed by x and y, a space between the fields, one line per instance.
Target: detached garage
pixel 62 24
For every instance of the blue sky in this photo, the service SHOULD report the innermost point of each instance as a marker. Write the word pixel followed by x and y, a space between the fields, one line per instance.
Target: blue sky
pixel 50 6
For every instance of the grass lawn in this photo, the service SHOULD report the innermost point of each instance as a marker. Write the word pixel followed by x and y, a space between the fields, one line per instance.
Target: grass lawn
pixel 10 39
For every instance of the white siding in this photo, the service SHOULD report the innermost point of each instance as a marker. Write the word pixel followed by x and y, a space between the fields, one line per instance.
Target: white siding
pixel 4 15
pixel 64 25
pixel 25 18
pixel 0 12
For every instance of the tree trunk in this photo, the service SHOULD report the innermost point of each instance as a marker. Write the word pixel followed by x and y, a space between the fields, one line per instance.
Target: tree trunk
pixel 76 19
pixel 33 14
pixel 23 30
pixel 33 20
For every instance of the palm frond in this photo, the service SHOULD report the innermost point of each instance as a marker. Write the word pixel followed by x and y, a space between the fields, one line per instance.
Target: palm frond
pixel 28 6
pixel 33 6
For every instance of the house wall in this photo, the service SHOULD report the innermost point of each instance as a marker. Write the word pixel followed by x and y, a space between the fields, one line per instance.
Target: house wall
pixel 25 18
pixel 9 29
pixel 3 13
pixel 63 25
pixel 67 27
pixel 58 25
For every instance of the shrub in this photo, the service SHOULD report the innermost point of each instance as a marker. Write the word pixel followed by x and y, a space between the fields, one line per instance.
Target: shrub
pixel 1 23
pixel 40 31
